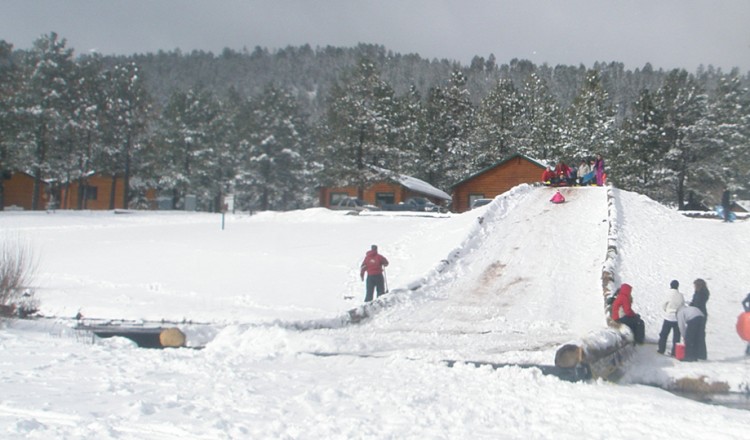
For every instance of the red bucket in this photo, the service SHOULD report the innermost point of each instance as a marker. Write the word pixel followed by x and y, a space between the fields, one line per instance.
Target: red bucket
pixel 679 351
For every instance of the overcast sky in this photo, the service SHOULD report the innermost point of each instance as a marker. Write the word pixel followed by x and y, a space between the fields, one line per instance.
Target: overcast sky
pixel 666 33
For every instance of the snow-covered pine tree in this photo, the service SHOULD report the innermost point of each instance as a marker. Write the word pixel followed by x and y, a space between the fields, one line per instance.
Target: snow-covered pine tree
pixel 689 159
pixel 408 135
pixel 589 127
pixel 10 82
pixel 446 155
pixel 44 107
pixel 729 113
pixel 271 158
pixel 496 134
pixel 80 143
pixel 359 120
pixel 188 147
pixel 539 135
pixel 126 109
pixel 639 164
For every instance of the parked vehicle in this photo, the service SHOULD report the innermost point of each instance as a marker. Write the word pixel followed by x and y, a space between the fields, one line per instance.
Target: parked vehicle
pixel 419 204
pixel 354 204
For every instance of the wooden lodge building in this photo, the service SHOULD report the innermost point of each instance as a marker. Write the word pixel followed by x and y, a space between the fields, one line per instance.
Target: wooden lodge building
pixel 495 180
pixel 485 184
pixel 18 191
pixel 102 191
pixel 99 191
pixel 394 189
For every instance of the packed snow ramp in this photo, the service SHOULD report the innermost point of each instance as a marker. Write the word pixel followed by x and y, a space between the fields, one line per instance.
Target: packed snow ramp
pixel 528 280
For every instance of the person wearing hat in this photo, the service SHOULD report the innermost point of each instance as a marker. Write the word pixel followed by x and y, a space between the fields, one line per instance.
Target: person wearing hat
pixel 675 300
pixel 374 265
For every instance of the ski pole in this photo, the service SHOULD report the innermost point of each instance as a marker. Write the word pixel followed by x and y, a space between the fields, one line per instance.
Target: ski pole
pixel 385 279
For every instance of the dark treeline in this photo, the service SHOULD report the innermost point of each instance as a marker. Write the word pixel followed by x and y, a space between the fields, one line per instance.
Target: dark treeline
pixel 271 127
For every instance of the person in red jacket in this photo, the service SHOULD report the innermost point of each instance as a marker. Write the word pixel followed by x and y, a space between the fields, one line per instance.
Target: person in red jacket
pixel 548 176
pixel 374 265
pixel 562 173
pixel 622 312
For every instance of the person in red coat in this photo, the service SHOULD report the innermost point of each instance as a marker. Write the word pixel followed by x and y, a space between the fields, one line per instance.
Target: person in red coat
pixel 562 172
pixel 622 312
pixel 374 265
pixel 548 176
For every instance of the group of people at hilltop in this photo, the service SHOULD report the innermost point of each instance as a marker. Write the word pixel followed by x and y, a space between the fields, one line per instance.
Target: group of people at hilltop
pixel 684 320
pixel 588 172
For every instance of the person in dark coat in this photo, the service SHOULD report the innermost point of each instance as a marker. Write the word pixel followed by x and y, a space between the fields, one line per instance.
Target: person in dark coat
pixel 692 324
pixel 726 206
pixel 700 298
pixel 373 265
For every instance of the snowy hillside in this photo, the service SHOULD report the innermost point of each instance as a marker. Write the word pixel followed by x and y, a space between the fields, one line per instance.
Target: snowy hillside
pixel 507 283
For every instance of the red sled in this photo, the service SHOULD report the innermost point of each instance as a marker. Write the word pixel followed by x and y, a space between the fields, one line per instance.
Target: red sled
pixel 743 326
pixel 557 198
pixel 679 351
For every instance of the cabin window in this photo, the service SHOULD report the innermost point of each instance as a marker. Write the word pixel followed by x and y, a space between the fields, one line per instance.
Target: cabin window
pixel 335 198
pixel 475 196
pixel 89 192
pixel 382 198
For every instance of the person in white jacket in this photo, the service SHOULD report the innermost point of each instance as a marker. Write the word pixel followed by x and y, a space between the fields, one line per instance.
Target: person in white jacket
pixel 692 325
pixel 675 300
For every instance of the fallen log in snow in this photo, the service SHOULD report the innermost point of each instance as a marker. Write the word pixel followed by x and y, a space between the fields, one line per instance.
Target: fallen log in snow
pixel 603 352
pixel 145 337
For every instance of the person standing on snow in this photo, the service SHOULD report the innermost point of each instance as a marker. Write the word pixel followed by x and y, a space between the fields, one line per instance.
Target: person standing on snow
pixel 374 265
pixel 675 300
pixel 583 173
pixel 726 205
pixel 700 298
pixel 622 312
pixel 746 306
pixel 692 324
pixel 599 170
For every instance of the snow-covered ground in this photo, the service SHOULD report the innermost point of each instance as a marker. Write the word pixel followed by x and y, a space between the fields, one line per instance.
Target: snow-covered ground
pixel 265 297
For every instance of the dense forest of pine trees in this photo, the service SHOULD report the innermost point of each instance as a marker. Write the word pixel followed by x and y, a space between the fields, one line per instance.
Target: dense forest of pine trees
pixel 271 127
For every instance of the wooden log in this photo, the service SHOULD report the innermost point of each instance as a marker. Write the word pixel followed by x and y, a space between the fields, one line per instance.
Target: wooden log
pixel 172 337
pixel 145 337
pixel 603 352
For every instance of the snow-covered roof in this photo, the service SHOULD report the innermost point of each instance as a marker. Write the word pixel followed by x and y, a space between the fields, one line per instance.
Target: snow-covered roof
pixel 421 187
pixel 414 184
pixel 744 204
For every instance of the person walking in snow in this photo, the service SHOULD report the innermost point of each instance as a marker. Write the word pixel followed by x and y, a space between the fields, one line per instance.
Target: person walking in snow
pixel 692 323
pixel 622 312
pixel 374 265
pixel 675 300
pixel 700 298
pixel 599 170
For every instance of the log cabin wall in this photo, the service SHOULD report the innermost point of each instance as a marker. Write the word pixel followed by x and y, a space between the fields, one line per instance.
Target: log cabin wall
pixel 495 180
